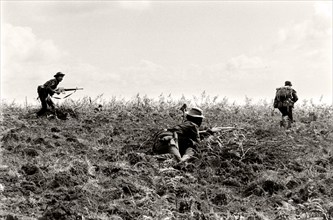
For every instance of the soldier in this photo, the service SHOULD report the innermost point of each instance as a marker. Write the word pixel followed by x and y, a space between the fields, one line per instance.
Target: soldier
pixel 284 100
pixel 183 139
pixel 46 91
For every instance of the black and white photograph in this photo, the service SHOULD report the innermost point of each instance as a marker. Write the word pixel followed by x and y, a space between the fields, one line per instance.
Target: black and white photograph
pixel 166 110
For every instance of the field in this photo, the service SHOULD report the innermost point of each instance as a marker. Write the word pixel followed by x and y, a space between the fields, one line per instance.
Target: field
pixel 99 164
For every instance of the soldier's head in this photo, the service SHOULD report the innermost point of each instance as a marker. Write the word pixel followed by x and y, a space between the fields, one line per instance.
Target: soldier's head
pixel 287 83
pixel 195 115
pixel 59 76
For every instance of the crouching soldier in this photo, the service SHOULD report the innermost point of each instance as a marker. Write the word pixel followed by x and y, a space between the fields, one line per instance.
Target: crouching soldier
pixel 46 91
pixel 284 101
pixel 183 139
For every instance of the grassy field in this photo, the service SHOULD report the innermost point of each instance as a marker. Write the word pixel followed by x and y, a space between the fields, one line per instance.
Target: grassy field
pixel 99 165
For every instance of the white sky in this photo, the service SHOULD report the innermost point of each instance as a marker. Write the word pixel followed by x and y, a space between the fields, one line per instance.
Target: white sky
pixel 121 48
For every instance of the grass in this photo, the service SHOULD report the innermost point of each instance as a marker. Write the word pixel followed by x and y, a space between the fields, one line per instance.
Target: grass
pixel 99 165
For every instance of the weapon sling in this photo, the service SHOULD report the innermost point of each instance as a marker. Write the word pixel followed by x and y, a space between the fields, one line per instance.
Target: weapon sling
pixel 66 95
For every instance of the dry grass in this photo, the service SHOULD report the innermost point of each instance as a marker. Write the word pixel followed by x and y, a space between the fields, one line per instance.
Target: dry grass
pixel 98 165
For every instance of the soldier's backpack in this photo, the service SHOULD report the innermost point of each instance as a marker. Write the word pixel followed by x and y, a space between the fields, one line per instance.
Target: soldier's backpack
pixel 283 97
pixel 163 140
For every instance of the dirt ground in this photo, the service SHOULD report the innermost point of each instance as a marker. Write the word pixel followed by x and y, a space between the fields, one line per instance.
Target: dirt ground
pixel 99 165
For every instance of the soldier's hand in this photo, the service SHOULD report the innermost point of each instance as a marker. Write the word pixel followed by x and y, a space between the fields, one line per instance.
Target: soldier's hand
pixel 59 90
pixel 216 129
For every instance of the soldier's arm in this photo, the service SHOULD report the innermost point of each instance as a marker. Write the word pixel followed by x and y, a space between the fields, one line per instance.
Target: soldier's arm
pixel 275 101
pixel 195 140
pixel 48 86
pixel 205 133
pixel 193 133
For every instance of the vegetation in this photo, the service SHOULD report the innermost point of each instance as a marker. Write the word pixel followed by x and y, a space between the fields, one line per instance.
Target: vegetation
pixel 99 164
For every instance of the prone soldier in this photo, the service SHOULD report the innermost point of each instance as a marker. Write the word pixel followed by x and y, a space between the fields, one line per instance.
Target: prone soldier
pixel 183 139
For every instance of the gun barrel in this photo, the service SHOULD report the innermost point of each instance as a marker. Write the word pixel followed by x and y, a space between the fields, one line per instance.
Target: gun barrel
pixel 226 128
pixel 72 89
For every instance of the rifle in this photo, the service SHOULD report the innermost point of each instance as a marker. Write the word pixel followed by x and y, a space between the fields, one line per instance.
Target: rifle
pixel 218 129
pixel 64 90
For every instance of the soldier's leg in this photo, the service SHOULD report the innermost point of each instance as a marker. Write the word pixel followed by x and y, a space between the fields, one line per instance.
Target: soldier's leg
pixel 167 145
pixel 284 113
pixel 285 116
pixel 42 97
pixel 43 109
pixel 188 154
pixel 175 151
pixel 51 104
pixel 289 117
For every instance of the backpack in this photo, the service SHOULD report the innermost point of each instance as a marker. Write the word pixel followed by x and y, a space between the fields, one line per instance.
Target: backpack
pixel 283 97
pixel 163 140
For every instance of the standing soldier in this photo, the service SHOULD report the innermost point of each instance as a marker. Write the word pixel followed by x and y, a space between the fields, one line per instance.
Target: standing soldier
pixel 284 100
pixel 46 91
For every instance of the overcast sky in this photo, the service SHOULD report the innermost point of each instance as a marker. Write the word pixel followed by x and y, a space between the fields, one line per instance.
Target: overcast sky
pixel 121 48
